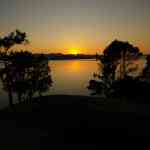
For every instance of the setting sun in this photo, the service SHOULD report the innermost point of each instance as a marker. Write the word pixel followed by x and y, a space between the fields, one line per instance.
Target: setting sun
pixel 73 51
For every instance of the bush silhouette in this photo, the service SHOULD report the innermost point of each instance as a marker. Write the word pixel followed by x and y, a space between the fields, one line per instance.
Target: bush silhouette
pixel 29 74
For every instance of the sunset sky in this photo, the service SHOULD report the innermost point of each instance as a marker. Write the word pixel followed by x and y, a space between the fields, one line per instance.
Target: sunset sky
pixel 85 26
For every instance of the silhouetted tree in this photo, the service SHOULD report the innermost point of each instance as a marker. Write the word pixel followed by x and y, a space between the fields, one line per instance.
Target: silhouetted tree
pixel 23 73
pixel 117 53
pixel 146 71
pixel 6 43
pixel 30 74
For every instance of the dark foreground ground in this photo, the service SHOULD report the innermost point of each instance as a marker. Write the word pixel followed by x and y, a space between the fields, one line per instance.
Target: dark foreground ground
pixel 70 122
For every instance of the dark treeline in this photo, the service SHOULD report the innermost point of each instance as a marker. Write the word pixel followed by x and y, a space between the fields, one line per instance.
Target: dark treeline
pixel 59 56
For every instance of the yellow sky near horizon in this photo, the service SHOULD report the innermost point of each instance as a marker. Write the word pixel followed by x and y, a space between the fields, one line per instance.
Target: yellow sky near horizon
pixel 87 26
pixel 72 49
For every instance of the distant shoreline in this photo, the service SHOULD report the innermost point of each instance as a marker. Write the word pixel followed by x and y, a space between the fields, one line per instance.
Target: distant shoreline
pixel 70 57
pixel 59 59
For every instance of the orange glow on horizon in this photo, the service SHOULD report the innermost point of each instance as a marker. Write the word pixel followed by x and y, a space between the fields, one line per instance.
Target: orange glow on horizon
pixel 73 51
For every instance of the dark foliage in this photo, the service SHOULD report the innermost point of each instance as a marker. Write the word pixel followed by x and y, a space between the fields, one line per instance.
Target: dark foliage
pixel 28 74
pixel 146 71
pixel 23 73
pixel 117 53
pixel 12 39
pixel 132 88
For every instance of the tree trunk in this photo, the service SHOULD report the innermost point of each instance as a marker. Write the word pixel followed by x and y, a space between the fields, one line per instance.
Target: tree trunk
pixel 10 96
pixel 19 98
pixel 30 97
pixel 123 65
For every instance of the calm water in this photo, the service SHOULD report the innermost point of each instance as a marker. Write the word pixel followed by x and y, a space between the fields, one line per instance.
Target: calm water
pixel 69 77
pixel 72 76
